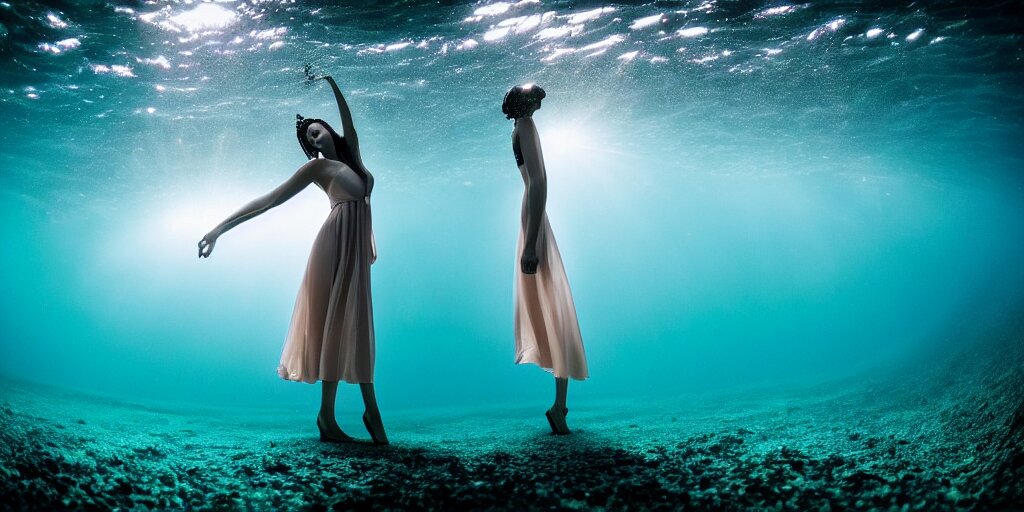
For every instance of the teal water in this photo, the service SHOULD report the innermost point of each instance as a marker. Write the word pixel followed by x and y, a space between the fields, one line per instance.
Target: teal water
pixel 743 192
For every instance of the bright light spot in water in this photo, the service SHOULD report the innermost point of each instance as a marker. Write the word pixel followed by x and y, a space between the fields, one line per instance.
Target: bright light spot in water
pixel 555 32
pixel 496 34
pixel 915 35
pixel 122 71
pixel 47 47
pixel 55 21
pixel 832 26
pixel 523 23
pixel 558 52
pixel 692 31
pixel 396 46
pixel 272 33
pixel 151 110
pixel 160 62
pixel 590 15
pixel 647 21
pixel 873 33
pixel 604 43
pixel 491 10
pixel 59 46
pixel 775 11
pixel 204 16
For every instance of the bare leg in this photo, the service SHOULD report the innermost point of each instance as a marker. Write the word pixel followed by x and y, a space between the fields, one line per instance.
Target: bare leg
pixel 561 390
pixel 556 414
pixel 325 422
pixel 371 418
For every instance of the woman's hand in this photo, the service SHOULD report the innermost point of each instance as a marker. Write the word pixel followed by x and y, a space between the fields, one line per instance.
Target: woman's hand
pixel 373 248
pixel 529 261
pixel 207 243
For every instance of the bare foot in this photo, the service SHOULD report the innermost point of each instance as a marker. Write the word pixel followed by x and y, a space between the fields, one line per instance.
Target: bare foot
pixel 330 432
pixel 375 427
pixel 556 419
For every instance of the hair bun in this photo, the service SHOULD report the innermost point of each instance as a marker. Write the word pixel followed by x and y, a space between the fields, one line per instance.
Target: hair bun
pixel 522 100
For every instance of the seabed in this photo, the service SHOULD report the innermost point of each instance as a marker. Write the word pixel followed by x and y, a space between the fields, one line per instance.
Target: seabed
pixel 948 438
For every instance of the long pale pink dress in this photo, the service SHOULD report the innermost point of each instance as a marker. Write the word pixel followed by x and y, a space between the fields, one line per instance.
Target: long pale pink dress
pixel 546 329
pixel 331 334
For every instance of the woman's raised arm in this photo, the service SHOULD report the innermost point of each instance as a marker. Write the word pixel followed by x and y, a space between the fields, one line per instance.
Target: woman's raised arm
pixel 351 137
pixel 302 178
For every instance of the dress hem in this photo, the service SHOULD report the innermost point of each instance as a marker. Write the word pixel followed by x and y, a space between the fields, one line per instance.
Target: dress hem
pixel 284 375
pixel 521 361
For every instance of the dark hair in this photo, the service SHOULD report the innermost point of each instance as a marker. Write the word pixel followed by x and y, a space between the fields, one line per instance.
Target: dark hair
pixel 302 124
pixel 522 100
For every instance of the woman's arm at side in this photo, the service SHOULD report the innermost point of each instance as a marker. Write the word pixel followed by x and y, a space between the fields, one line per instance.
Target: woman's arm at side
pixel 536 190
pixel 373 248
pixel 298 181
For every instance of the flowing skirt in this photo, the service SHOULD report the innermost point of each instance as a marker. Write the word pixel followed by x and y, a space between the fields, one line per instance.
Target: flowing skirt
pixel 331 334
pixel 547 332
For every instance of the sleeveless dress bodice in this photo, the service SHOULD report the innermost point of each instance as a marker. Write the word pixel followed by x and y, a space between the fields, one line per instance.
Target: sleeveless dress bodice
pixel 343 183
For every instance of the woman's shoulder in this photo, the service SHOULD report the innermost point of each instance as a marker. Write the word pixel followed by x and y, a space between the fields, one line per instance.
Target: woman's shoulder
pixel 525 127
pixel 323 164
pixel 526 122
pixel 319 169
pixel 312 166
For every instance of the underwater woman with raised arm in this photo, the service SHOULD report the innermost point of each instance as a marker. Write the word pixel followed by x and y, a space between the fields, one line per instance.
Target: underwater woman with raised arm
pixel 331 335
pixel 546 330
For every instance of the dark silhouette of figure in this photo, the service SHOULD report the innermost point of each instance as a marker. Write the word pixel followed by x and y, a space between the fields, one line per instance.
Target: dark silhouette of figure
pixel 331 337
pixel 546 330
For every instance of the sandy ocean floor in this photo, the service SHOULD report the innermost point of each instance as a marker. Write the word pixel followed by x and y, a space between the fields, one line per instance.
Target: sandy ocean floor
pixel 946 439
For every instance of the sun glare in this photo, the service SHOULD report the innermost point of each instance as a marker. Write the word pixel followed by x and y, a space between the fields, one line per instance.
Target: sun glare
pixel 570 141
pixel 183 223
pixel 205 16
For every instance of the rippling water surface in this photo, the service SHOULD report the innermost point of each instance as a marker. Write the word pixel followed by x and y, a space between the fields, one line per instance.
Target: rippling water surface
pixel 742 191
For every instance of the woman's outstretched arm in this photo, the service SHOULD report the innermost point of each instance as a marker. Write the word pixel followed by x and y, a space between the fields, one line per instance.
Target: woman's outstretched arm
pixel 302 178
pixel 351 138
pixel 536 190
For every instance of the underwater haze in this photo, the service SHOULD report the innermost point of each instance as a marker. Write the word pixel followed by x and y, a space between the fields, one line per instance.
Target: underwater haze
pixel 793 233
pixel 743 192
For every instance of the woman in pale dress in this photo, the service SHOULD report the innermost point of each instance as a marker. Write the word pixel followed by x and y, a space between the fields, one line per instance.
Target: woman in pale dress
pixel 546 330
pixel 331 335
